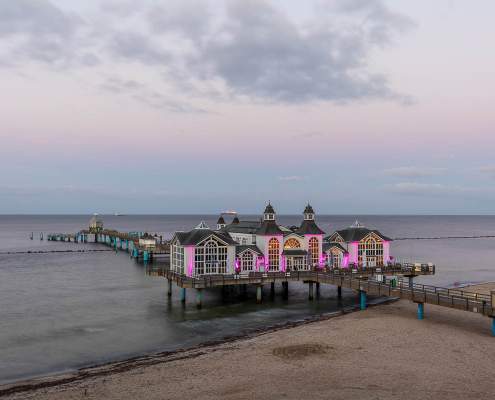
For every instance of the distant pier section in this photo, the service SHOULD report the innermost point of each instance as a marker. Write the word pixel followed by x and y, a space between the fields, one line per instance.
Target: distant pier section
pixel 141 246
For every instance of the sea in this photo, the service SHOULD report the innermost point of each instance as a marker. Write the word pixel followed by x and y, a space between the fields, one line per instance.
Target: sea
pixel 64 311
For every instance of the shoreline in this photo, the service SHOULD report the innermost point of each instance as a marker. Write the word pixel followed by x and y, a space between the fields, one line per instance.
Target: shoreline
pixel 116 367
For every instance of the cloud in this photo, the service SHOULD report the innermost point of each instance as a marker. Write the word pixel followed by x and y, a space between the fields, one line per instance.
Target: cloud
pixel 146 95
pixel 414 172
pixel 292 178
pixel 39 31
pixel 434 189
pixel 235 50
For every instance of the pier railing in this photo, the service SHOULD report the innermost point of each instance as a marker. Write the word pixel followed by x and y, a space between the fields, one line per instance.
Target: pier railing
pixel 366 280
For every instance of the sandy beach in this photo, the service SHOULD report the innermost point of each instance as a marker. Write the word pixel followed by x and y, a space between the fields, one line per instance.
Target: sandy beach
pixel 381 353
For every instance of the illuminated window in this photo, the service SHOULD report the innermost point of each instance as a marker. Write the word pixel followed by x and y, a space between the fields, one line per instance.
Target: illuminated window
pixel 292 244
pixel 314 254
pixel 370 252
pixel 273 255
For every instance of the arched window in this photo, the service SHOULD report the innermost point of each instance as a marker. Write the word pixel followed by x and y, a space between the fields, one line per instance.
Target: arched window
pixel 210 258
pixel 370 250
pixel 273 255
pixel 292 244
pixel 247 261
pixel 336 258
pixel 314 253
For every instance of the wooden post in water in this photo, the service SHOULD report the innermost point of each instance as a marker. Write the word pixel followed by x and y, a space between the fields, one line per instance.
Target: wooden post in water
pixel 272 289
pixel 169 289
pixel 183 295
pixel 199 298
pixel 285 287
pixel 310 291
pixel 259 294
pixel 317 290
pixel 339 292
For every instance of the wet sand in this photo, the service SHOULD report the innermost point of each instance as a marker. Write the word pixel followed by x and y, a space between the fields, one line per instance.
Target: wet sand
pixel 381 353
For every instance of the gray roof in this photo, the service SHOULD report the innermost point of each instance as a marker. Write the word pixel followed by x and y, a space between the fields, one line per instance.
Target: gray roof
pixel 221 221
pixel 196 236
pixel 328 245
pixel 355 234
pixel 309 228
pixel 271 228
pixel 253 247
pixel 249 227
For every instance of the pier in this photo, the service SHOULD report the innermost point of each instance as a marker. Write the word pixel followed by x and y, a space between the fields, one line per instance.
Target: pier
pixel 369 282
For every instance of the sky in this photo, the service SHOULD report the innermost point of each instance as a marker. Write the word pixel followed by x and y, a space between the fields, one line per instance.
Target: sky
pixel 197 106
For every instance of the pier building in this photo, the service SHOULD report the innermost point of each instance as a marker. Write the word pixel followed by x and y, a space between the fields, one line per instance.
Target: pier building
pixel 363 247
pixel 265 246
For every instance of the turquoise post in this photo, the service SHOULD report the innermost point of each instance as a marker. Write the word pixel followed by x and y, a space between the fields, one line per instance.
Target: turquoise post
pixel 362 300
pixel 135 253
pixel 493 326
pixel 146 256
pixel 421 311
pixel 127 244
pixel 183 295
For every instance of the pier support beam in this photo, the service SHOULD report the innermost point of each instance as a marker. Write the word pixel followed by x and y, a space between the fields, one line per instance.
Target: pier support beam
pixel 493 326
pixel 199 298
pixel 411 281
pixel 362 300
pixel 146 256
pixel 317 290
pixel 285 290
pixel 339 292
pixel 272 289
pixel 182 295
pixel 169 287
pixel 310 291
pixel 259 294
pixel 421 311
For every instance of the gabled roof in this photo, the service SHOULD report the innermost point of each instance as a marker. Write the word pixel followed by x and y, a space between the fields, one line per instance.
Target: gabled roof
pixel 243 248
pixel 249 227
pixel 356 234
pixel 270 228
pixel 309 228
pixel 329 245
pixel 196 236
pixel 221 221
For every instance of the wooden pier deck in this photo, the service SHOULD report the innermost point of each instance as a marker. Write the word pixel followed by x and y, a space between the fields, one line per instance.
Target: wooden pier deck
pixel 367 282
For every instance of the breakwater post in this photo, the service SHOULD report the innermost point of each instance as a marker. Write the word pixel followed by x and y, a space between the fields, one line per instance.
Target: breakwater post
pixel 169 290
pixel 310 291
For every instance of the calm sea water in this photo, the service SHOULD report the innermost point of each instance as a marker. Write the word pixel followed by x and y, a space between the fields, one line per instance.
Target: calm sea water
pixel 63 311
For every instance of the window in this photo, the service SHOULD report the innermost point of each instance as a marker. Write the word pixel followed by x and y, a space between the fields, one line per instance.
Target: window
pixel 210 258
pixel 370 251
pixel 314 251
pixel 334 258
pixel 273 255
pixel 177 258
pixel 247 261
pixel 292 244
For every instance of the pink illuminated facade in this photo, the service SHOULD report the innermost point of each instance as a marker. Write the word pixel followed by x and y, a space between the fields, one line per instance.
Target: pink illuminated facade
pixel 242 247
